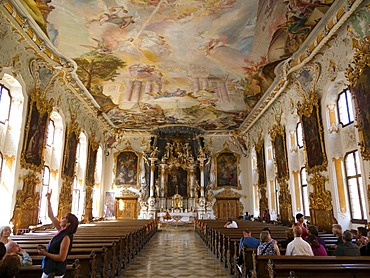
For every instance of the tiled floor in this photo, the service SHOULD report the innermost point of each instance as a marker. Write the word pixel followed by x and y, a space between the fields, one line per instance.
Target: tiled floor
pixel 175 252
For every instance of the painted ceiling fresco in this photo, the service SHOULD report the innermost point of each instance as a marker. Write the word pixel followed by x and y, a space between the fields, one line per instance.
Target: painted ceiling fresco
pixel 202 63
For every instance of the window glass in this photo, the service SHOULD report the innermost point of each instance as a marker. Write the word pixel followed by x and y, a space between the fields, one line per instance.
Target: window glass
pixel 299 133
pixel 355 187
pixel 345 108
pixel 5 102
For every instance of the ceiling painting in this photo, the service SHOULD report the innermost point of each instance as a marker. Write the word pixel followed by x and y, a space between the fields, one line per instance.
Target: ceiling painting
pixel 150 63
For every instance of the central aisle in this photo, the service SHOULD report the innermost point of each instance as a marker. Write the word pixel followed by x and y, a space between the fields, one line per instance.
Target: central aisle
pixel 175 252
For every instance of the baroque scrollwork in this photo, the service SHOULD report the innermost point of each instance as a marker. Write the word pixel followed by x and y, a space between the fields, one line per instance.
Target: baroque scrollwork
pixel 320 198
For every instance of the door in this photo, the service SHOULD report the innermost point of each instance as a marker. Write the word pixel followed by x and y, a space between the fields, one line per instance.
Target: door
pixel 227 208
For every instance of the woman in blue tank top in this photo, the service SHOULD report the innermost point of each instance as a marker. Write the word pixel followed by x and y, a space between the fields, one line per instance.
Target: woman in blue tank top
pixel 55 254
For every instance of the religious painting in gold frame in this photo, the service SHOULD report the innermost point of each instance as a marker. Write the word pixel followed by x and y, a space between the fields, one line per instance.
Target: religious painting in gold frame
pixel 359 78
pixel 227 169
pixel 260 157
pixel 91 162
pixel 126 169
pixel 278 139
pixel 70 151
pixel 36 132
pixel 313 143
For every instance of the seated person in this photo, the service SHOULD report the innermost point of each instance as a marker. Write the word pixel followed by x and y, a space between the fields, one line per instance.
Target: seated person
pixel 347 248
pixel 337 232
pixel 312 230
pixel 248 241
pixel 13 248
pixel 2 250
pixel 317 248
pixel 361 237
pixel 267 246
pixel 289 238
pixel 298 247
pixel 5 232
pixel 365 250
pixel 247 216
pixel 230 224
pixel 10 266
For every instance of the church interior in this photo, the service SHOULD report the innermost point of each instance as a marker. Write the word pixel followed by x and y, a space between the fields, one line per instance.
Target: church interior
pixel 178 111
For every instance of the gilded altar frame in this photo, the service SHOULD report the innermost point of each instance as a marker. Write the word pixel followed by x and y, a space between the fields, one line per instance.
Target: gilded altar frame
pixel 227 169
pixel 358 75
pixel 313 143
pixel 127 168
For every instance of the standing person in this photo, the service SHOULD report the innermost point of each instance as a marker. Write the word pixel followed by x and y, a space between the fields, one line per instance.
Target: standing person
pixel 300 223
pixel 268 246
pixel 231 224
pixel 298 247
pixel 55 254
pixel 5 232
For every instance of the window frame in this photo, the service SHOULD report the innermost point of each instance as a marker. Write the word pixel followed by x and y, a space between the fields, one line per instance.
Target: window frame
pixel 347 98
pixel 358 177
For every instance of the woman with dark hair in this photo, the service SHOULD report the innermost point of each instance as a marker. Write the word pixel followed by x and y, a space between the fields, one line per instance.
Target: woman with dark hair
pixel 10 266
pixel 317 248
pixel 55 254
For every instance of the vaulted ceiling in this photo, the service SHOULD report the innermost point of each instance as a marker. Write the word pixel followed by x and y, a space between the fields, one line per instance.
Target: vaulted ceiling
pixel 201 63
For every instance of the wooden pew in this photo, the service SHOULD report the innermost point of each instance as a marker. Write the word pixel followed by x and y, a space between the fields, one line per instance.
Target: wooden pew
pixel 282 263
pixel 35 271
pixel 115 244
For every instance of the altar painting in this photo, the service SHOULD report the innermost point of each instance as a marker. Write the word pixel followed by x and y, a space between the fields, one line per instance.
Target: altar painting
pixel 227 169
pixel 126 172
pixel 177 183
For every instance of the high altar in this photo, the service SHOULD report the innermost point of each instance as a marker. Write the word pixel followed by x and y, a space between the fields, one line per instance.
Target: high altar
pixel 177 175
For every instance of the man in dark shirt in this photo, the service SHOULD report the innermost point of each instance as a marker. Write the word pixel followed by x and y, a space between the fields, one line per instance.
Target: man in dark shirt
pixel 347 248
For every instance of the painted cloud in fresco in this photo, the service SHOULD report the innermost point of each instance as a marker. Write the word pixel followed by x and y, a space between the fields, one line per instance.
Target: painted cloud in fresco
pixel 171 61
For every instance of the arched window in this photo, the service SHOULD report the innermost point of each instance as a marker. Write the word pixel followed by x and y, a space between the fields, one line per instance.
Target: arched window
pixel 5 103
pixel 299 133
pixel 304 192
pixel 356 194
pixel 345 108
